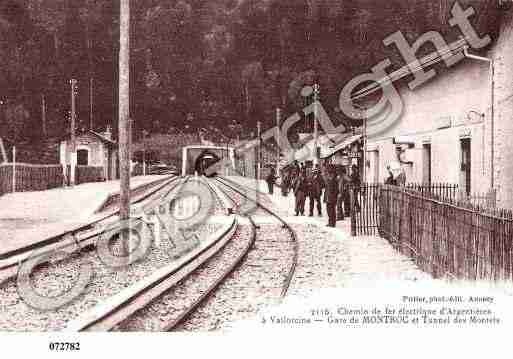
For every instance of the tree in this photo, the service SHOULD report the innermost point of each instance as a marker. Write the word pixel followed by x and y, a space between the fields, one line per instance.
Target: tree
pixel 252 79
pixel 202 62
pixel 51 16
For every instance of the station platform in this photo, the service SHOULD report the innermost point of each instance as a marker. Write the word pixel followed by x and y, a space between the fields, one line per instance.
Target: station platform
pixel 361 260
pixel 30 217
pixel 285 206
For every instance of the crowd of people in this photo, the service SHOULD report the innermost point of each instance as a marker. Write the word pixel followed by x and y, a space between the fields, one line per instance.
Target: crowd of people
pixel 329 184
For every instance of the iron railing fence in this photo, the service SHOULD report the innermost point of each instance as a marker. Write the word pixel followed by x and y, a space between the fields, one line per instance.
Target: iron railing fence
pixel 483 200
pixel 440 190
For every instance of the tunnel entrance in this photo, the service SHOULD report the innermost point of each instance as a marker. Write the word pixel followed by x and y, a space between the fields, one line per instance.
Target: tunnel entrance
pixel 198 158
pixel 206 159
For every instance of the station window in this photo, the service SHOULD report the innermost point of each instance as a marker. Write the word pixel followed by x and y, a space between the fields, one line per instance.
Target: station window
pixel 465 165
pixel 82 157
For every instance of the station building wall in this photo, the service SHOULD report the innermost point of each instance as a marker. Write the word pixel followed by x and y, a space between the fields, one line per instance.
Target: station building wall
pixel 502 54
pixel 454 100
pixel 440 114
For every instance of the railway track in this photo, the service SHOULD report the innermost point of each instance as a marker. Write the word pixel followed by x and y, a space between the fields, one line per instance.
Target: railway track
pixel 48 277
pixel 251 195
pixel 263 273
pixel 168 296
pixel 76 239
pixel 177 308
pixel 167 300
pixel 117 312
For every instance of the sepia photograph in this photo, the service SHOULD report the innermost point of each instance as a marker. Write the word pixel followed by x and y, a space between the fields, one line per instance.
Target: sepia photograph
pixel 257 168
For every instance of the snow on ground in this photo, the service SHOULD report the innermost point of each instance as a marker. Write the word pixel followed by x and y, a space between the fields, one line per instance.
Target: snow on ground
pixel 27 217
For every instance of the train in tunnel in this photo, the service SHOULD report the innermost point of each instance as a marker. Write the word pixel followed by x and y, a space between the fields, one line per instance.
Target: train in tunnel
pixel 205 164
pixel 208 161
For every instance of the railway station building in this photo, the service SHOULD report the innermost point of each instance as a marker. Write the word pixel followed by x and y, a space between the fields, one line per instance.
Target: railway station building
pixel 94 150
pixel 453 128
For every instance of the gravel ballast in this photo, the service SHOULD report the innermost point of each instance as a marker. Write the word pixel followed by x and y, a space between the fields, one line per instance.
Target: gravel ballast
pixel 255 285
pixel 170 305
pixel 52 279
pixel 16 315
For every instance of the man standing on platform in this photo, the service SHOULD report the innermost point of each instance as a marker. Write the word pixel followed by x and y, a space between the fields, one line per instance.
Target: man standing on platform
pixel 344 182
pixel 271 180
pixel 285 183
pixel 300 193
pixel 316 187
pixel 331 196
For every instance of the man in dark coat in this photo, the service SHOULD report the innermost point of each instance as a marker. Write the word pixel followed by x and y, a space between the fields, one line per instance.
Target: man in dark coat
pixel 331 197
pixel 285 184
pixel 315 191
pixel 271 180
pixel 300 187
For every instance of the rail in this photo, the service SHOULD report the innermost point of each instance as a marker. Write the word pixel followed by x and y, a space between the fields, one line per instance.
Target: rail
pixel 9 261
pixel 241 190
pixel 135 298
pixel 233 266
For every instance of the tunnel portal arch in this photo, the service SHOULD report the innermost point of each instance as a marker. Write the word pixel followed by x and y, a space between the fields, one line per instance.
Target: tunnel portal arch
pixel 193 156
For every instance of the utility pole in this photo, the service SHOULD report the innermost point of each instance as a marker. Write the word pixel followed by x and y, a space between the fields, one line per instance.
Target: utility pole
pixel 278 140
pixel 91 80
pixel 73 144
pixel 124 115
pixel 316 90
pixel 145 133
pixel 43 113
pixel 13 169
pixel 130 140
pixel 259 152
pixel 226 168
pixel 364 159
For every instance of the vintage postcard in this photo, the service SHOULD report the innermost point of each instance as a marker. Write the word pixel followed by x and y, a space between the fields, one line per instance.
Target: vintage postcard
pixel 304 175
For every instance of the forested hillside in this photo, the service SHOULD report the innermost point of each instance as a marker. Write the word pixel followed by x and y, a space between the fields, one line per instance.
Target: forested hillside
pixel 196 63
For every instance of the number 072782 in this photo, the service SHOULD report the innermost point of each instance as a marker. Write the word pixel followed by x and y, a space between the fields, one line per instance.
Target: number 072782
pixel 64 346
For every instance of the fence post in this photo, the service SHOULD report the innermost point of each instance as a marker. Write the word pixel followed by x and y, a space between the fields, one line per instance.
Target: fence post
pixel 400 227
pixel 410 238
pixel 13 169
